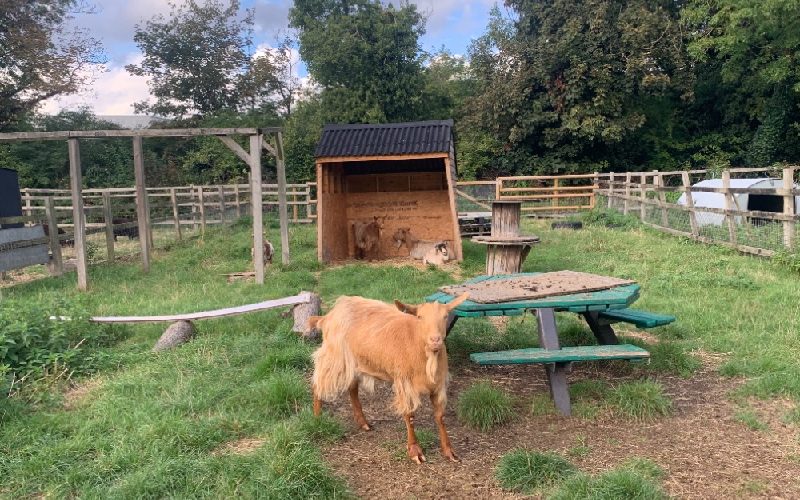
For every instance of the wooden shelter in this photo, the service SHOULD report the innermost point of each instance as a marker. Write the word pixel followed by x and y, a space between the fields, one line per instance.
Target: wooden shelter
pixel 404 173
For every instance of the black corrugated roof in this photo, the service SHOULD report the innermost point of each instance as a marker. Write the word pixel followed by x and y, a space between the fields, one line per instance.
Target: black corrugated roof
pixel 388 139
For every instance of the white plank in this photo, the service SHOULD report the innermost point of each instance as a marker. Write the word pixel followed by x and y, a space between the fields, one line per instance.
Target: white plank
pixel 218 313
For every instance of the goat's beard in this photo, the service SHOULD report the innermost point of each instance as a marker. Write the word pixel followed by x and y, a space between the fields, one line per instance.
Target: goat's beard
pixel 432 365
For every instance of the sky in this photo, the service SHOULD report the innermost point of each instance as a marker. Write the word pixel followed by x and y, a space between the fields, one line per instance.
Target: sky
pixel 450 23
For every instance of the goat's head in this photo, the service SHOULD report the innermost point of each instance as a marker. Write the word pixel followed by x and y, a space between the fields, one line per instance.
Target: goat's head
pixel 442 249
pixel 432 320
pixel 402 235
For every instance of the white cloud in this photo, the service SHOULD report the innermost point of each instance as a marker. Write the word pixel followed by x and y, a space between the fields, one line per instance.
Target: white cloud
pixel 453 15
pixel 113 93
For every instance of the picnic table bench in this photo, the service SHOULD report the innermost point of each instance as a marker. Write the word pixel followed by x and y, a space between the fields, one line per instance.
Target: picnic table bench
pixel 600 309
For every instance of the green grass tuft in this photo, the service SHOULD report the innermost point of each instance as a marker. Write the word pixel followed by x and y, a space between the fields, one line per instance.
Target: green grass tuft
pixel 324 428
pixel 483 407
pixel 749 417
pixel 528 471
pixel 542 404
pixel 639 400
pixel 612 485
pixel 280 358
pixel 285 393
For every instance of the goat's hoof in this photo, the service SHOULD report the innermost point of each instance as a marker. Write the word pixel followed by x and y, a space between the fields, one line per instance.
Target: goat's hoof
pixel 365 427
pixel 452 456
pixel 415 453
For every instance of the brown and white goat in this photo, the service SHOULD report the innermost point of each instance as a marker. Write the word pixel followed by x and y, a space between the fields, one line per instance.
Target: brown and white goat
pixel 365 340
pixel 367 235
pixel 429 252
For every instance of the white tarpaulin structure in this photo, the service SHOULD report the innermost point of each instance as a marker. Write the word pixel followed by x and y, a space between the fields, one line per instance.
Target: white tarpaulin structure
pixel 742 201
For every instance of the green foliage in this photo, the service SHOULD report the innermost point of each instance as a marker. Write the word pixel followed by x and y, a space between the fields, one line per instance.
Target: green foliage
pixel 787 259
pixel 31 342
pixel 610 218
pixel 611 485
pixel 639 400
pixel 285 392
pixel 365 55
pixel 749 417
pixel 483 407
pixel 528 471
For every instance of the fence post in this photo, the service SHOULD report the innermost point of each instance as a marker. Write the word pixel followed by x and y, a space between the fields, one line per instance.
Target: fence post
pixel 788 208
pixel 202 210
pixel 687 189
pixel 175 212
pixel 192 196
pixel 238 203
pixel 28 209
pixel 662 198
pixel 595 187
pixel 626 205
pixel 726 186
pixel 221 194
pixel 554 199
pixel 642 196
pixel 57 265
pixel 294 205
pixel 109 220
pixel 610 189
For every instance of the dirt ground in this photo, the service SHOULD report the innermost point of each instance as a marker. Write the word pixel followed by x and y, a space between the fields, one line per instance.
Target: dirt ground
pixel 704 450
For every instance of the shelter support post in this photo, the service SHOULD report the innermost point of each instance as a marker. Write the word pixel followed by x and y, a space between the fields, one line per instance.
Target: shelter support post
pixel 282 212
pixel 141 201
pixel 78 217
pixel 256 198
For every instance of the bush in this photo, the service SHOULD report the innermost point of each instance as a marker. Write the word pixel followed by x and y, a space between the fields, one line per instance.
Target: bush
pixel 483 407
pixel 31 342
pixel 528 471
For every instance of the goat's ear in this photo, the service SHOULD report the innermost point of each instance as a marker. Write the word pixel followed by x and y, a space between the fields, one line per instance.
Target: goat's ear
pixel 406 308
pixel 457 301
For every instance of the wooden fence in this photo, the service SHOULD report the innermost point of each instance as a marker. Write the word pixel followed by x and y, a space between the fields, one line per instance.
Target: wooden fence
pixel 112 212
pixel 653 198
pixel 541 195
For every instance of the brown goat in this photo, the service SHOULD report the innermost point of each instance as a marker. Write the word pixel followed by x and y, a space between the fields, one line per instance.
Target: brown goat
pixel 433 252
pixel 367 235
pixel 365 340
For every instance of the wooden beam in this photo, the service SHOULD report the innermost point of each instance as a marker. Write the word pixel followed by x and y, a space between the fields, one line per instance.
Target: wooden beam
pixel 78 217
pixel 256 199
pixel 175 214
pixel 284 217
pixel 235 147
pixel 344 159
pixel 726 185
pixel 301 298
pixel 266 145
pixel 788 208
pixel 141 201
pixel 146 132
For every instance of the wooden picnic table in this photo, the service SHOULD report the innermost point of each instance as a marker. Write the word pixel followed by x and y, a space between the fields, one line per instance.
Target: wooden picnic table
pixel 592 306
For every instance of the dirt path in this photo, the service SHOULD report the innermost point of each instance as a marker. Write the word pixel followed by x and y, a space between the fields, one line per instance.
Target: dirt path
pixel 704 450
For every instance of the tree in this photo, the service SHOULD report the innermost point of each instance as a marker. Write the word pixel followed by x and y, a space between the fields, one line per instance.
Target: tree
pixel 39 57
pixel 199 61
pixel 754 47
pixel 565 83
pixel 364 55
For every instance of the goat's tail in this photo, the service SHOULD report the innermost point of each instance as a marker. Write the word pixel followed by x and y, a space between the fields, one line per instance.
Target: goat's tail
pixel 334 364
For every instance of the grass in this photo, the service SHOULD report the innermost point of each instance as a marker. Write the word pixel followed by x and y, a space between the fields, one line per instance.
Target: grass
pixel 639 400
pixel 484 407
pixel 749 417
pixel 150 427
pixel 528 471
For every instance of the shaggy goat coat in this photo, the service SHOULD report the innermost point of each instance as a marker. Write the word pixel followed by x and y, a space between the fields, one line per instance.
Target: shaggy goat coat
pixel 364 340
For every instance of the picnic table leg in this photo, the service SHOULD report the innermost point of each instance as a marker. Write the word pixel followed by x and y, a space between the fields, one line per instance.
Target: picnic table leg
pixel 602 331
pixel 556 372
pixel 451 322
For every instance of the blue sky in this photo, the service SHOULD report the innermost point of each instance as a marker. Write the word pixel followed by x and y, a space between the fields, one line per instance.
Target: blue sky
pixel 451 23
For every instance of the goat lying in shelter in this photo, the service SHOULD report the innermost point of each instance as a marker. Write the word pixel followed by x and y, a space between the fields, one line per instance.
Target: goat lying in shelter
pixel 429 252
pixel 367 235
pixel 364 340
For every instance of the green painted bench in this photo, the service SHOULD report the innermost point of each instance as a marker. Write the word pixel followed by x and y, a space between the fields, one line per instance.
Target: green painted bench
pixel 563 355
pixel 641 319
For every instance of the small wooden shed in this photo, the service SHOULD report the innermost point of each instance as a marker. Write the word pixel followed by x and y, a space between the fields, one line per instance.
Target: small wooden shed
pixel 404 173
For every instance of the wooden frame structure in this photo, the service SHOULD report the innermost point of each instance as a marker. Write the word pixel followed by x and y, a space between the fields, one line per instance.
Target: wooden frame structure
pixel 269 139
pixel 403 173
